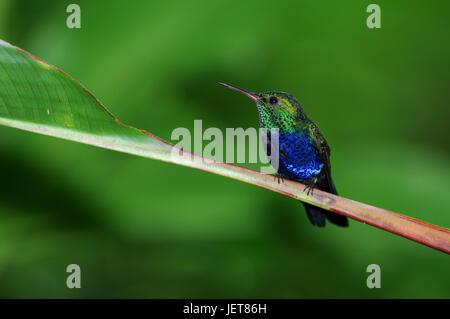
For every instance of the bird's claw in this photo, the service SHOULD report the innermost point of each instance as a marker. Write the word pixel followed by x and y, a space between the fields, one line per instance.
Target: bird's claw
pixel 278 178
pixel 309 190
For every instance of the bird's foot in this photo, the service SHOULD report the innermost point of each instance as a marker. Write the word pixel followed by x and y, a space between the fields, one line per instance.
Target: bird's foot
pixel 309 190
pixel 278 177
pixel 310 186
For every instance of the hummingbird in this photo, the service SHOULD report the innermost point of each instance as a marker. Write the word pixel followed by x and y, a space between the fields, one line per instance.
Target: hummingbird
pixel 304 154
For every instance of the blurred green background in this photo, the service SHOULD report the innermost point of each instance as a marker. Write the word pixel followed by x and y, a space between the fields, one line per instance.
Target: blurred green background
pixel 142 228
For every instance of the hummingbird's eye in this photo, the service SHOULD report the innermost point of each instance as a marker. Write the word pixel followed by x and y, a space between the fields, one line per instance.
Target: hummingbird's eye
pixel 273 100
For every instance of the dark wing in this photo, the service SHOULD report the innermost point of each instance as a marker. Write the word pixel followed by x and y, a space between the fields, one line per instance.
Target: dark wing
pixel 327 183
pixel 324 152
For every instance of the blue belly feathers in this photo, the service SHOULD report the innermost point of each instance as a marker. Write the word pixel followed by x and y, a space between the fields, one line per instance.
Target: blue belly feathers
pixel 299 158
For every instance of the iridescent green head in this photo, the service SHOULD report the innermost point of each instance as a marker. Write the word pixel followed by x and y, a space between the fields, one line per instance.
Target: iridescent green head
pixel 276 109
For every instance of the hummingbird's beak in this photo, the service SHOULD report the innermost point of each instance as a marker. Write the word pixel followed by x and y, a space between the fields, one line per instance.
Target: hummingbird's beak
pixel 251 95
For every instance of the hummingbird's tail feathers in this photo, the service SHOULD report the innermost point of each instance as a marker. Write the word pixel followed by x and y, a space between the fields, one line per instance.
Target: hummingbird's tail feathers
pixel 333 217
pixel 316 215
pixel 337 219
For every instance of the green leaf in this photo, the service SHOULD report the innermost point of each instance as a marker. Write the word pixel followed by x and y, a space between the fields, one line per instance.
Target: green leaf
pixel 37 97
